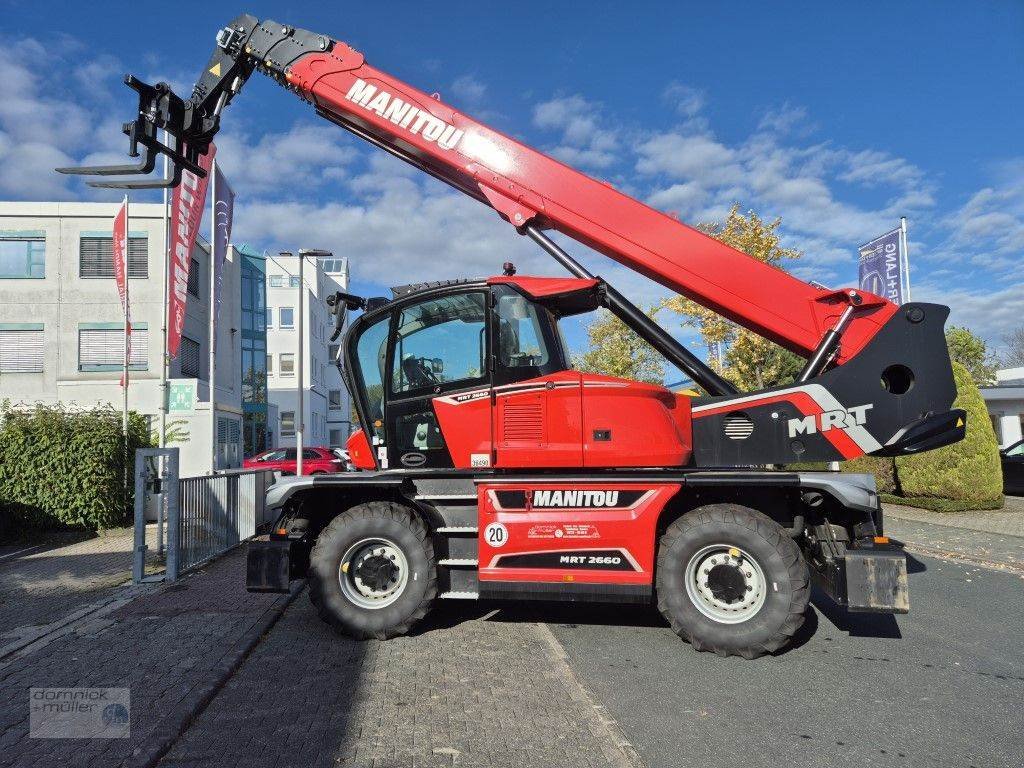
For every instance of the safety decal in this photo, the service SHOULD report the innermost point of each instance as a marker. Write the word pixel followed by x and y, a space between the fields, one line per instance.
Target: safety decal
pixel 496 535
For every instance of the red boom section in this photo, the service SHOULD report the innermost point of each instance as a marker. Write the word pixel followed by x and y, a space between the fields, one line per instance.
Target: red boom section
pixel 523 184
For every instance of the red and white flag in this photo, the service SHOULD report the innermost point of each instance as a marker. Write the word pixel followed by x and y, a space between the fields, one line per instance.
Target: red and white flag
pixel 119 253
pixel 187 205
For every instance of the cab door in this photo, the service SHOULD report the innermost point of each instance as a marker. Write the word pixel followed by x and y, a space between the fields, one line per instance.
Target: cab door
pixel 439 361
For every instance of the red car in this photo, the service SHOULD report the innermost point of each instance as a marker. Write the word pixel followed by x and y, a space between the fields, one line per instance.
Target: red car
pixel 315 461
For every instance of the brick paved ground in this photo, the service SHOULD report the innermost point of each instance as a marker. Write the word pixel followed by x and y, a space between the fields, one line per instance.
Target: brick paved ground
pixel 1008 521
pixel 468 690
pixel 167 646
pixel 42 584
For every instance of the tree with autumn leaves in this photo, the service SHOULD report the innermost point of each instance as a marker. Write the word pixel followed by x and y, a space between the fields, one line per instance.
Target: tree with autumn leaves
pixel 751 361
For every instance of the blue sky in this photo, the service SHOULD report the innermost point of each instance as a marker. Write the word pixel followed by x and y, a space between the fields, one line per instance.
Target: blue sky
pixel 837 117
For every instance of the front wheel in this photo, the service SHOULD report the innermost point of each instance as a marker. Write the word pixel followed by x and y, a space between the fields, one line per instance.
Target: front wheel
pixel 730 580
pixel 372 571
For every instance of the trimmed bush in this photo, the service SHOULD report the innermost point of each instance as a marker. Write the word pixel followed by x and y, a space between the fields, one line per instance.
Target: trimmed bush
pixel 65 469
pixel 968 471
pixel 882 467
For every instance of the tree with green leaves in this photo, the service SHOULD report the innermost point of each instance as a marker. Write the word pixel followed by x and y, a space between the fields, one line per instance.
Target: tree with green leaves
pixel 616 350
pixel 970 351
pixel 752 362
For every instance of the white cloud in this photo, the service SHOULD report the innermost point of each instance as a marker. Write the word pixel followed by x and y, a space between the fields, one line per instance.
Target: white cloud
pixel 585 140
pixel 468 89
pixel 687 101
pixel 306 156
pixel 688 158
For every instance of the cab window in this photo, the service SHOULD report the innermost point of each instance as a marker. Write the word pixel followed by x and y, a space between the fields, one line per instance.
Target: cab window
pixel 371 353
pixel 440 344
pixel 520 337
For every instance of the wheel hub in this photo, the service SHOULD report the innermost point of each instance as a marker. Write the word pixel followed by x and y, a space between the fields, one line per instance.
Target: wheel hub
pixel 373 573
pixel 376 572
pixel 725 583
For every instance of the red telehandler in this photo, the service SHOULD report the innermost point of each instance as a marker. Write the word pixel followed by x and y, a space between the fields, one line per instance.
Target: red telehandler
pixel 495 470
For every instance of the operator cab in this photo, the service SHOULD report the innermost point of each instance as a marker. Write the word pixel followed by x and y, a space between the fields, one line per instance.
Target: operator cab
pixel 453 340
pixel 475 375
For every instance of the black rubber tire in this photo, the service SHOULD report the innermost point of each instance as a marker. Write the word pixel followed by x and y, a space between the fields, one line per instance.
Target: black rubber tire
pixel 785 570
pixel 376 518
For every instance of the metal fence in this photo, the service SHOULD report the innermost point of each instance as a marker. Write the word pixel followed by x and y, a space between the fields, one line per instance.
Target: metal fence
pixel 203 516
pixel 219 511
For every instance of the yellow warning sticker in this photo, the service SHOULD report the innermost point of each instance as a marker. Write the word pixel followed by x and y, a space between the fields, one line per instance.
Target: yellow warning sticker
pixel 215 70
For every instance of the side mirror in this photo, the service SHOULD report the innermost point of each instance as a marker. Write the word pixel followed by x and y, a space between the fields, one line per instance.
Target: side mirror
pixel 339 304
pixel 437 365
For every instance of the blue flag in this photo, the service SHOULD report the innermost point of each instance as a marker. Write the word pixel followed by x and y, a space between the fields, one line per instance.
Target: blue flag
pixel 881 266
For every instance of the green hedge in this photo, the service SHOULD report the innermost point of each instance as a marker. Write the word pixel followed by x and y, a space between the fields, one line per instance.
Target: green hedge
pixel 61 468
pixel 968 471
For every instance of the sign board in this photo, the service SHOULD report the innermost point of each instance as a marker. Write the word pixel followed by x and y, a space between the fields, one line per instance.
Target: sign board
pixel 181 396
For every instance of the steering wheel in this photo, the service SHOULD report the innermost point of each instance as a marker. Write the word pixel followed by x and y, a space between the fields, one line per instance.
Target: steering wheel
pixel 418 373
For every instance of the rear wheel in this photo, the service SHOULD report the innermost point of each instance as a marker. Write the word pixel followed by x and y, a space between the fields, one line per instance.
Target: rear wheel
pixel 372 571
pixel 732 581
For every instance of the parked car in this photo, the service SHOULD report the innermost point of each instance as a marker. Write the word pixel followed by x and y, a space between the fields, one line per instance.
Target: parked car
pixel 342 454
pixel 1012 458
pixel 315 461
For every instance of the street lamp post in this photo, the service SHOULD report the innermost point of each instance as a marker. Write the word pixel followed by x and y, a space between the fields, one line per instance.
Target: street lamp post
pixel 300 425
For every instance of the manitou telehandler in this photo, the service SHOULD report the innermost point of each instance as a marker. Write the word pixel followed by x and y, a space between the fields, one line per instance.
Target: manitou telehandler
pixel 495 470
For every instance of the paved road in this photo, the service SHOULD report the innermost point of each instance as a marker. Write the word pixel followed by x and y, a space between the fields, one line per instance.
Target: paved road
pixel 941 686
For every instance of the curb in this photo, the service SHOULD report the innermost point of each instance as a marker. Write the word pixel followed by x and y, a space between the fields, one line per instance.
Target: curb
pixel 177 721
pixel 962 557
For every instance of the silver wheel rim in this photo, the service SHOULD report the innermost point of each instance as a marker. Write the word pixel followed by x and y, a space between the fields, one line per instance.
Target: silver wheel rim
pixel 707 596
pixel 368 595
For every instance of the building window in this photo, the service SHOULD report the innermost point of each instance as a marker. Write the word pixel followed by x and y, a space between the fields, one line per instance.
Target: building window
pixel 287 364
pixel 23 254
pixel 193 278
pixel 335 438
pixel 334 399
pixel 333 266
pixel 96 256
pixel 332 352
pixel 287 423
pixel 21 349
pixel 270 364
pixel 277 281
pixel 189 354
pixel 293 281
pixel 101 347
pixel 287 317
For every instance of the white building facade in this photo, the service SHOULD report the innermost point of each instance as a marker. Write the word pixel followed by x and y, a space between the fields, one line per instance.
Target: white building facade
pixel 62 326
pixel 1005 403
pixel 326 420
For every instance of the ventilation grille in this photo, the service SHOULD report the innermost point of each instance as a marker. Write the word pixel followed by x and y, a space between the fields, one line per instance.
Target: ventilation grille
pixel 523 422
pixel 738 426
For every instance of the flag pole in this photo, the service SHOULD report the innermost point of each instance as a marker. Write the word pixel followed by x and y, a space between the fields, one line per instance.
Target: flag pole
pixel 213 315
pixel 127 332
pixel 906 253
pixel 162 439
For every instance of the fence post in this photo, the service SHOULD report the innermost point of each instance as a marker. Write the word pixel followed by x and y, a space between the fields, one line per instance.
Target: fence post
pixel 139 540
pixel 173 515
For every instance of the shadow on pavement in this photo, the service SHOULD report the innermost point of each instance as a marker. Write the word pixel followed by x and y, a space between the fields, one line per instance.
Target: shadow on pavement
pixel 856 624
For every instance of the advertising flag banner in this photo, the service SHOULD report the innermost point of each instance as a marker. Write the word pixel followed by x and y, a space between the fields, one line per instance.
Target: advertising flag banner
pixel 187 204
pixel 881 266
pixel 119 254
pixel 223 209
